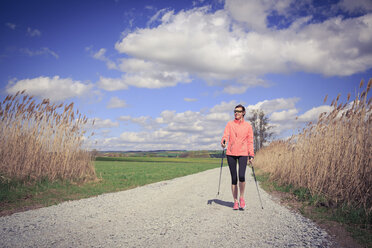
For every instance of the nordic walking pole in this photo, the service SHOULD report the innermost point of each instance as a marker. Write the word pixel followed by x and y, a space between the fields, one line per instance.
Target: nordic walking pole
pixel 223 155
pixel 256 184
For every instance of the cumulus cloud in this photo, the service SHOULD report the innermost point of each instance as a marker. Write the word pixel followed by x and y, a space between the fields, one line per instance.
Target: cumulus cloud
pixel 253 13
pixel 143 74
pixel 116 102
pixel 288 119
pixel 125 118
pixel 54 88
pixel 195 130
pixel 145 122
pixel 233 49
pixel 218 117
pixel 107 123
pixel 112 84
pixel 270 106
pixel 282 113
pixel 172 130
pixel 200 130
pixel 224 107
pixel 312 115
pixel 285 115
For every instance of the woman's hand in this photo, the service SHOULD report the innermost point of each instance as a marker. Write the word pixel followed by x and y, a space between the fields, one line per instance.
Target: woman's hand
pixel 250 160
pixel 223 144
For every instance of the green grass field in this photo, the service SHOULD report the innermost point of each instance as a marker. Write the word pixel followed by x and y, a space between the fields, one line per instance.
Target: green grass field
pixel 114 174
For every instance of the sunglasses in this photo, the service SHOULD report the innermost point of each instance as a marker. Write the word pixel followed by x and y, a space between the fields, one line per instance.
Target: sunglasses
pixel 238 111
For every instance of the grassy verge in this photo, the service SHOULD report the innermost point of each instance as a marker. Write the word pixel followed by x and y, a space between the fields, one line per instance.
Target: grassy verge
pixel 354 221
pixel 114 174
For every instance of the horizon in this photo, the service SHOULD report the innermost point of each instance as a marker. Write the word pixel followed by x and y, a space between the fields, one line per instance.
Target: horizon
pixel 166 75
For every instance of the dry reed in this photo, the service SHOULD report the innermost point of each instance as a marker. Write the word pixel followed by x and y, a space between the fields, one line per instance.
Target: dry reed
pixel 332 157
pixel 42 141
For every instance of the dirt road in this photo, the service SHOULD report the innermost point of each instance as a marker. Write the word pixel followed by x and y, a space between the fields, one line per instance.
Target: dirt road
pixel 183 212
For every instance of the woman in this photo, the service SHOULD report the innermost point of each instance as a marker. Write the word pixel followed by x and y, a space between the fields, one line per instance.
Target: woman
pixel 239 136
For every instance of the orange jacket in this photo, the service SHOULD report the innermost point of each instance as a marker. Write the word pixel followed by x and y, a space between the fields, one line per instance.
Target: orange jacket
pixel 239 136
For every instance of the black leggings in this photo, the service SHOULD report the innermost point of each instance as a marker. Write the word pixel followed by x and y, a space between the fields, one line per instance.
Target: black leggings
pixel 231 160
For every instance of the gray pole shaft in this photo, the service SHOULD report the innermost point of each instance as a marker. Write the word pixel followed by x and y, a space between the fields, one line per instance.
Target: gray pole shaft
pixel 256 186
pixel 219 183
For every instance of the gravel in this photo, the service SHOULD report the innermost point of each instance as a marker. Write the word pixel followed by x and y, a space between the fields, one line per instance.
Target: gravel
pixel 183 212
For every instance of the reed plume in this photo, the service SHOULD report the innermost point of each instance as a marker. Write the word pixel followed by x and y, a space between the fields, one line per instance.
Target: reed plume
pixel 42 141
pixel 332 157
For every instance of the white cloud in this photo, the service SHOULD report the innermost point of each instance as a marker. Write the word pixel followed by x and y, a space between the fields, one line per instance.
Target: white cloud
pixel 132 137
pixel 112 84
pixel 100 55
pixel 233 49
pixel 116 102
pixel 146 122
pixel 253 13
pixel 186 99
pixel 218 117
pixel 155 17
pixel 172 130
pixel 355 6
pixel 270 106
pixel 146 74
pixel 124 118
pixel 195 130
pixel 142 120
pixel 11 25
pixel 107 123
pixel 236 89
pixel 33 32
pixel 143 74
pixel 149 7
pixel 281 112
pixel 285 115
pixel 55 88
pixel 287 121
pixel 313 114
pixel 224 107
pixel 42 51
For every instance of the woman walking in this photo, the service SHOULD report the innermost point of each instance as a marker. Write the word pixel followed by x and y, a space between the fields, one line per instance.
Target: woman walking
pixel 239 136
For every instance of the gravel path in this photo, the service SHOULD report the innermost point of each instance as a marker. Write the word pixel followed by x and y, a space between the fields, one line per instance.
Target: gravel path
pixel 183 212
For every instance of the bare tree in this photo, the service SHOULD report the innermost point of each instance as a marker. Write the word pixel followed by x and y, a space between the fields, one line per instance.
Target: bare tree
pixel 261 128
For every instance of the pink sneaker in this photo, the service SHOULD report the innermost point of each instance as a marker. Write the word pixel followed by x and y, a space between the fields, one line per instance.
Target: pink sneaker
pixel 242 203
pixel 236 205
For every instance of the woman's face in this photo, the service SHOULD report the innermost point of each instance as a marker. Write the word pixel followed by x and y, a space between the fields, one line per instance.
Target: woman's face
pixel 239 113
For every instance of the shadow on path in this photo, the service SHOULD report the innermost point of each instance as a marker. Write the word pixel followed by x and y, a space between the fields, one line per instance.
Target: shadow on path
pixel 220 202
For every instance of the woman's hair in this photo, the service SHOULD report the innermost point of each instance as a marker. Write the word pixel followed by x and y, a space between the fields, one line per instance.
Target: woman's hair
pixel 240 106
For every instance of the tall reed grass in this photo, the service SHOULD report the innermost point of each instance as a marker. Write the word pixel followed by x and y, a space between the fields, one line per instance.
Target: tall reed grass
pixel 41 141
pixel 331 158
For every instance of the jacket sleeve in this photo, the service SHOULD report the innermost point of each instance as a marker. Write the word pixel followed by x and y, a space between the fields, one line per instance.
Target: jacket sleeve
pixel 250 141
pixel 226 133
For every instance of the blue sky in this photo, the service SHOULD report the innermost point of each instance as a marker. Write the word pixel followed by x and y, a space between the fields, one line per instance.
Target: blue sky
pixel 167 74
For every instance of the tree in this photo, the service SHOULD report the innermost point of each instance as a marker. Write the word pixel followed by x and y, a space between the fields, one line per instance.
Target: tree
pixel 261 128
